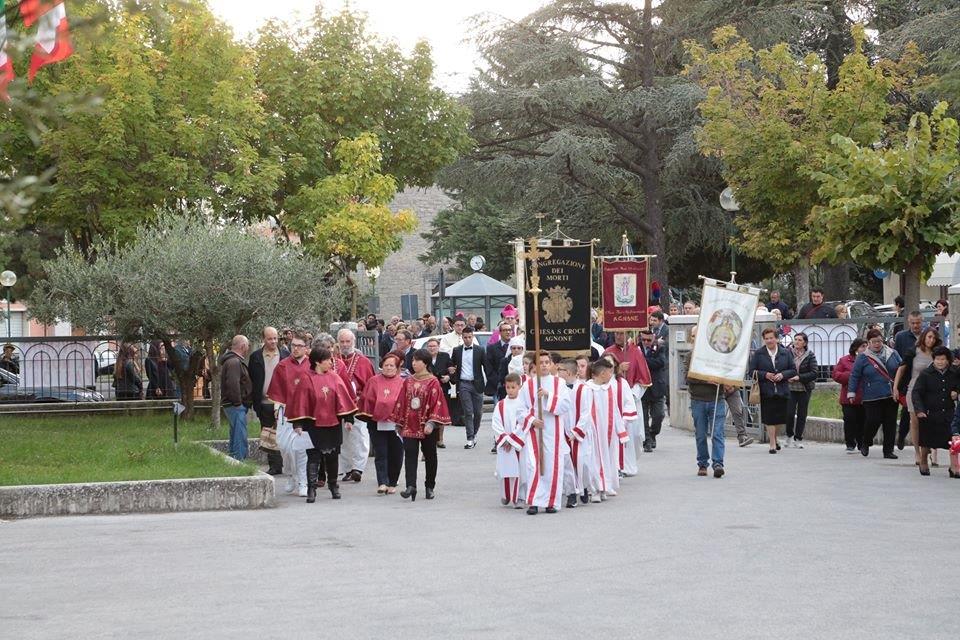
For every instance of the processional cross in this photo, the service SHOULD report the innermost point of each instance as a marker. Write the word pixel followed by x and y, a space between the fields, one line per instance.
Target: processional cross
pixel 534 253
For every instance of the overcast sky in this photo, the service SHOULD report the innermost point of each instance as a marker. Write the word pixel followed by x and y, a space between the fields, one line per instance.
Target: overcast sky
pixel 443 23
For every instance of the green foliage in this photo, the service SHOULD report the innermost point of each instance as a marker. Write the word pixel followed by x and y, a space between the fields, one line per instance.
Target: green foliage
pixel 896 206
pixel 769 117
pixel 331 80
pixel 469 229
pixel 347 214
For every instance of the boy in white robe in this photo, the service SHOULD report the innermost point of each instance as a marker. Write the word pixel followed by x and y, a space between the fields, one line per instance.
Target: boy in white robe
pixel 576 427
pixel 546 483
pixel 609 429
pixel 508 415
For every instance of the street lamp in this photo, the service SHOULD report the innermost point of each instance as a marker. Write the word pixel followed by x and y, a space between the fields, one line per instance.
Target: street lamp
pixel 8 279
pixel 729 203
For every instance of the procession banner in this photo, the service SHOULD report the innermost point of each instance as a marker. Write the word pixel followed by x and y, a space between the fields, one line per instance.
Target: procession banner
pixel 625 294
pixel 566 288
pixel 724 331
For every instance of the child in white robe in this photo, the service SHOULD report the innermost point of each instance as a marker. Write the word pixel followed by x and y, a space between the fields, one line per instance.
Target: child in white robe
pixel 508 415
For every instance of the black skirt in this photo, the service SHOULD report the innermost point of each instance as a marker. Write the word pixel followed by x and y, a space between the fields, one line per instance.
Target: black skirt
pixel 773 410
pixel 326 439
pixel 935 430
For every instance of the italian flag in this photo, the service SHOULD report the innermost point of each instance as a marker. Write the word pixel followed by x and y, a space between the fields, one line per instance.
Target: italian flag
pixel 6 67
pixel 53 33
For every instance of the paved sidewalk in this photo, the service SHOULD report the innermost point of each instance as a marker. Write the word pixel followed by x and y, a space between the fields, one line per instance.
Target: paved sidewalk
pixel 805 544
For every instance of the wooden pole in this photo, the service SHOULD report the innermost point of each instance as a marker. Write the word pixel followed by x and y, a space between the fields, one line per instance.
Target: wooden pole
pixel 533 254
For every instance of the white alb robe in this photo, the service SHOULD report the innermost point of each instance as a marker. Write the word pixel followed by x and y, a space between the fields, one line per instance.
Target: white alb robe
pixel 546 483
pixel 507 424
pixel 633 449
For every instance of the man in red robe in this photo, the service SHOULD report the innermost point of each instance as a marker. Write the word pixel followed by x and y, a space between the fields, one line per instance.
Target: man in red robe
pixel 355 369
pixel 636 373
pixel 287 375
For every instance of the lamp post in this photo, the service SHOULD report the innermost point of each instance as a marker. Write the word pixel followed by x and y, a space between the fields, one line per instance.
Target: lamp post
pixel 8 279
pixel 729 203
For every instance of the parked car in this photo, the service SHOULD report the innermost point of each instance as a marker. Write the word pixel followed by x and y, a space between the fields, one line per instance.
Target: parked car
pixel 13 394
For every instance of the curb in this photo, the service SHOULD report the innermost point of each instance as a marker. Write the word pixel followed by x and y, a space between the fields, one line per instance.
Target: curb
pixel 138 496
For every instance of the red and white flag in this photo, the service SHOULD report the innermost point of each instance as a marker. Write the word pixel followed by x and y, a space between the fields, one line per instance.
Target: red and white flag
pixel 6 65
pixel 53 36
pixel 31 10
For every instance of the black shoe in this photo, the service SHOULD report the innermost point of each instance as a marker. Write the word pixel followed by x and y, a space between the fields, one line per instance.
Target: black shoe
pixel 493 449
pixel 718 471
pixel 409 492
pixel 585 497
pixel 311 493
pixel 428 493
pixel 890 456
pixel 274 472
pixel 313 471
pixel 774 450
pixel 532 511
pixel 551 510
pixel 864 451
pixel 647 448
pixel 654 444
pixel 572 501
pixel 924 472
pixel 901 441
pixel 952 474
pixel 356 476
pixel 778 446
pixel 440 445
pixel 334 490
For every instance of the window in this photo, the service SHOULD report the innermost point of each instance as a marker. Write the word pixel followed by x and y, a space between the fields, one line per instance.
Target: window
pixel 409 307
pixel 373 305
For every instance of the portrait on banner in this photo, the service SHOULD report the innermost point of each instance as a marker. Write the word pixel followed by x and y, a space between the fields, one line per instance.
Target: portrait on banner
pixel 722 347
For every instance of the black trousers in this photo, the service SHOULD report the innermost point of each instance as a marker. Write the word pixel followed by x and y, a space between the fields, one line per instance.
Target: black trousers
pixel 412 447
pixel 388 454
pixel 797 406
pixel 876 414
pixel 853 424
pixel 653 413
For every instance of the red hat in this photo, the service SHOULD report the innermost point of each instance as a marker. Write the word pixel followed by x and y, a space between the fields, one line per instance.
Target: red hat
pixel 653 308
pixel 509 311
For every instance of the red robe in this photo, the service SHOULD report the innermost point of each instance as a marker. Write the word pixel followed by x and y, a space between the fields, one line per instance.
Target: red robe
pixel 432 406
pixel 380 397
pixel 355 371
pixel 639 372
pixel 285 378
pixel 322 397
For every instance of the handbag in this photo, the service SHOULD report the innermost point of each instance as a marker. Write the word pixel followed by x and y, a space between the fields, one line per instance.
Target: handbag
pixel 268 438
pixel 754 397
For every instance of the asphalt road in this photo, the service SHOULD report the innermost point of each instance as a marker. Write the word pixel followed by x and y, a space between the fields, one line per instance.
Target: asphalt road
pixel 805 544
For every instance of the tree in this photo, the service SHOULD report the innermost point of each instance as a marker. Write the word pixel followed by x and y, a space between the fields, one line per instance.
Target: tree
pixel 176 126
pixel 895 207
pixel 770 117
pixel 330 80
pixel 189 278
pixel 347 216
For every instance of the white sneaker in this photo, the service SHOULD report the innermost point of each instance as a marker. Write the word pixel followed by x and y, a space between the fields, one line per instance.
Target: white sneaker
pixel 291 485
pixel 303 491
pixel 610 492
pixel 595 497
pixel 798 444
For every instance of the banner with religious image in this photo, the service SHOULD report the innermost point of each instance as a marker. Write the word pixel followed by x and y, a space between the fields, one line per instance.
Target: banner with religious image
pixel 724 331
pixel 625 288
pixel 565 285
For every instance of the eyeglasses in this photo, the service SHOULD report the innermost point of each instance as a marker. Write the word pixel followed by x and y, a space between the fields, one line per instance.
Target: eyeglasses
pixel 301 345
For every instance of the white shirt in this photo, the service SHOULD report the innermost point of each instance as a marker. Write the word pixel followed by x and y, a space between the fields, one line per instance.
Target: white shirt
pixel 466 364
pixel 773 357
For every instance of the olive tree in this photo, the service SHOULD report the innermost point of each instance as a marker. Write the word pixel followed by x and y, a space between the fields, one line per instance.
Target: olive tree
pixel 189 278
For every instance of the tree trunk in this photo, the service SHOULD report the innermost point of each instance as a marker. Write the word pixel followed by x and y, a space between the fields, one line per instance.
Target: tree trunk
pixel 650 181
pixel 911 285
pixel 836 281
pixel 214 369
pixel 801 280
pixel 186 373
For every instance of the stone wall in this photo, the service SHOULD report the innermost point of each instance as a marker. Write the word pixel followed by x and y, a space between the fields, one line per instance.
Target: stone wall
pixel 403 273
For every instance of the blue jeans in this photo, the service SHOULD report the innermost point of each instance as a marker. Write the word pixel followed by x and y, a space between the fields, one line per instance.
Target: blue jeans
pixel 237 416
pixel 704 412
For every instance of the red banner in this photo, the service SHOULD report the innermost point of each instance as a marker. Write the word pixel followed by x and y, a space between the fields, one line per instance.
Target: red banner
pixel 625 294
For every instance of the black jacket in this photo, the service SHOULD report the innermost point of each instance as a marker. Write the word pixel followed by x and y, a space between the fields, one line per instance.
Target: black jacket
pixel 479 365
pixel 439 369
pixel 807 371
pixel 761 364
pixel 258 373
pixel 496 353
pixel 160 376
pixel 130 385
pixel 931 393
pixel 657 363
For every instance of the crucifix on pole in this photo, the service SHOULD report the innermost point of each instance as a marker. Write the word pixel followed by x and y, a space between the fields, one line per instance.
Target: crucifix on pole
pixel 533 254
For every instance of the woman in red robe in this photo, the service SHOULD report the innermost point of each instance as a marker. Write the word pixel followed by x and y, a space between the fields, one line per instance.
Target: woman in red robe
pixel 317 406
pixel 379 397
pixel 419 411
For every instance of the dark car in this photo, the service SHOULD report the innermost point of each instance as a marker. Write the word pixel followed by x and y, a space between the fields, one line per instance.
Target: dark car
pixel 13 394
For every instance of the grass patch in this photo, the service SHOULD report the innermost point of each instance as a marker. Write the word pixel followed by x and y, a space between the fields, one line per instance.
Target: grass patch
pixel 825 403
pixel 50 450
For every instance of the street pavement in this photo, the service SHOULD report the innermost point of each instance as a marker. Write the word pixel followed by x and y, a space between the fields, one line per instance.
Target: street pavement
pixel 804 544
